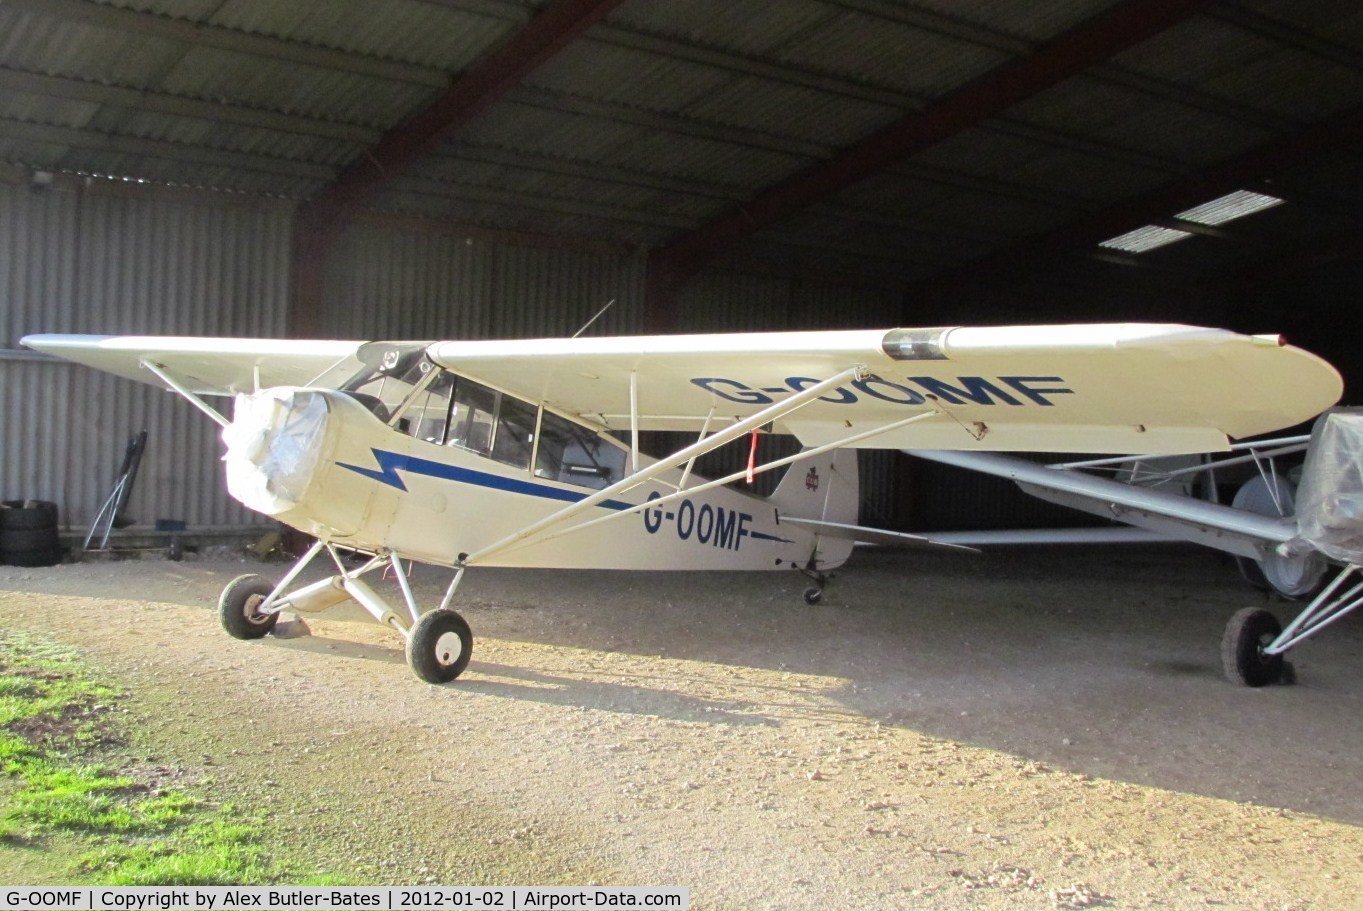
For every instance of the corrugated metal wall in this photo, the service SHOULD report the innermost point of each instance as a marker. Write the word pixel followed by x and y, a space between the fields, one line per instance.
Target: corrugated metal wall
pixel 104 258
pixel 107 258
pixel 415 284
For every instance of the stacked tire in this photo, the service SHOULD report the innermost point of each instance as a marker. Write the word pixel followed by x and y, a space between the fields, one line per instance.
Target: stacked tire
pixel 28 533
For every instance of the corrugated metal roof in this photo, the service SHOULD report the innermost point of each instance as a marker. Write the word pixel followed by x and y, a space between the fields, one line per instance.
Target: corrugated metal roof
pixel 44 44
pixel 880 52
pixel 794 111
pixel 733 98
pixel 1036 20
pixel 697 158
pixel 292 87
pixel 1228 61
pixel 751 27
pixel 541 130
pixel 606 72
pixel 412 31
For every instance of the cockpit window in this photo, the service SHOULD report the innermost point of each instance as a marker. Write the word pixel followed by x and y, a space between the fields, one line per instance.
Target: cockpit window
pixel 514 441
pixel 572 453
pixel 473 416
pixel 448 410
pixel 427 414
pixel 389 376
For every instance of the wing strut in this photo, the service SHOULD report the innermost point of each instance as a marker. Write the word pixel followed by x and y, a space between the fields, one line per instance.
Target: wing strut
pixel 720 482
pixel 184 391
pixel 700 447
pixel 705 428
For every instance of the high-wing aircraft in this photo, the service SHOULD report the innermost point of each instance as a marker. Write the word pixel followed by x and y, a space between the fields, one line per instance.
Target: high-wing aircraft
pixel 526 453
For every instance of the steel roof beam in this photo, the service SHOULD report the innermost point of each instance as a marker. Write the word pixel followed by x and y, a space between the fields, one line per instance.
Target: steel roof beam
pixel 485 83
pixel 668 123
pixel 1073 52
pixel 745 65
pixel 477 89
pixel 798 148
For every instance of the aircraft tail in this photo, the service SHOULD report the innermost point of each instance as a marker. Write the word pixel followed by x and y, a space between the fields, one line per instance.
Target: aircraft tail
pixel 823 487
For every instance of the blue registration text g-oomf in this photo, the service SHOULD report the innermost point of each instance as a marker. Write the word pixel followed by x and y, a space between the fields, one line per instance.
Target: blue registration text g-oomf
pixel 979 390
pixel 715 526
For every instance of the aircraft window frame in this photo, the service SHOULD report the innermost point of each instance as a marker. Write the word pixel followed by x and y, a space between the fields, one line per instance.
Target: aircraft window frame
pixel 464 425
pixel 524 451
pixel 391 378
pixel 432 395
pixel 592 443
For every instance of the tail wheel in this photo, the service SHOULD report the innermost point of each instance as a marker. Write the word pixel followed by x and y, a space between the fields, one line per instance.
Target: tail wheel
pixel 1242 648
pixel 439 646
pixel 238 608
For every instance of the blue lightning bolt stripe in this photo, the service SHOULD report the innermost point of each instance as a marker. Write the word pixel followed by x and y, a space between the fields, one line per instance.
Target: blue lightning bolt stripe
pixel 390 463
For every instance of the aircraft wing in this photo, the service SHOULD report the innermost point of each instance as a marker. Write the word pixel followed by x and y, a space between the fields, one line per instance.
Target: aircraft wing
pixel 206 366
pixel 1114 388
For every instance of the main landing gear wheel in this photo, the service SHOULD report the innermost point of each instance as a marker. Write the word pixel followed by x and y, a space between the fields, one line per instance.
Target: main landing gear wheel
pixel 813 595
pixel 1242 648
pixel 237 608
pixel 439 646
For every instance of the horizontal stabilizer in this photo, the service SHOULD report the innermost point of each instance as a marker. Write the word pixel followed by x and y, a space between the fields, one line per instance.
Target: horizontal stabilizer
pixel 880 536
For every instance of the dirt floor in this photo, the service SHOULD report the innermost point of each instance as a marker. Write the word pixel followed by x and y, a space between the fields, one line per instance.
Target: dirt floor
pixel 1022 730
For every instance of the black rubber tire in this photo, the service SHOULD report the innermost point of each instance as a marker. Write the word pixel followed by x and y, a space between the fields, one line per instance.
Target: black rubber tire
pixel 28 533
pixel 813 595
pixel 439 646
pixel 1242 648
pixel 236 607
pixel 42 556
pixel 17 540
pixel 28 514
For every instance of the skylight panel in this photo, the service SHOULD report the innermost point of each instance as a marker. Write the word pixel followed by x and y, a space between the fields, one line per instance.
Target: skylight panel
pixel 1140 240
pixel 1218 211
pixel 1230 207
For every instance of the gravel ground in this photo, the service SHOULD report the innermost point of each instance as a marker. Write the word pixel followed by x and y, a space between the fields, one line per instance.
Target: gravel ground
pixel 1024 730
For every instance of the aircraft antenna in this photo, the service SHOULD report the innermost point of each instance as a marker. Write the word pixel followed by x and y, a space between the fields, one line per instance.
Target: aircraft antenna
pixel 587 325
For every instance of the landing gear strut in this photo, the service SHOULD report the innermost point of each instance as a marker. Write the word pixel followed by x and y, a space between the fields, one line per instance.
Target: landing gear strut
pixel 439 643
pixel 1253 647
pixel 814 594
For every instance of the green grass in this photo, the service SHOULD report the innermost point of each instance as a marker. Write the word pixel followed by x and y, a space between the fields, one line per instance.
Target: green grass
pixel 56 725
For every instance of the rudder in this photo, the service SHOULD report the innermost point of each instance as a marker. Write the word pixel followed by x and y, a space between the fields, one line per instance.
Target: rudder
pixel 824 487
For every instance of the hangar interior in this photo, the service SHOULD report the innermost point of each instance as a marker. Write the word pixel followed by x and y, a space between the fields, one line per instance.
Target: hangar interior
pixel 501 168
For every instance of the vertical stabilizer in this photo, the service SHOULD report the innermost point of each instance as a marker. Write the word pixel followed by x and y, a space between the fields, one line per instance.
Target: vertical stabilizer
pixel 823 488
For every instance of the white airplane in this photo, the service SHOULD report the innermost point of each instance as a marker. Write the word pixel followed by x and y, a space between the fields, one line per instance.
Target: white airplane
pixel 526 453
